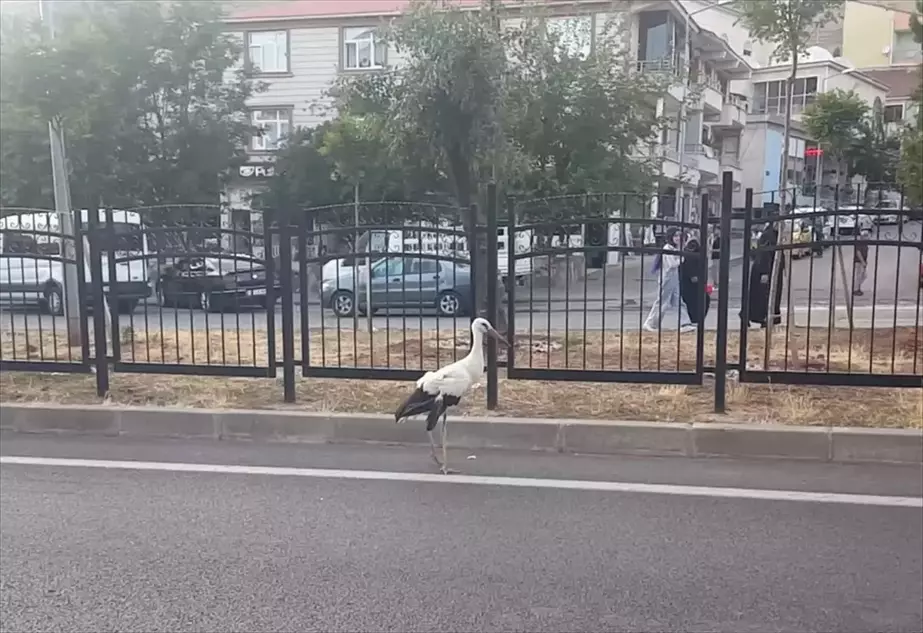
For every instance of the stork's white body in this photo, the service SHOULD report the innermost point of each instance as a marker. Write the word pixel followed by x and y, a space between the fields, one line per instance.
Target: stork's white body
pixel 438 390
pixel 459 377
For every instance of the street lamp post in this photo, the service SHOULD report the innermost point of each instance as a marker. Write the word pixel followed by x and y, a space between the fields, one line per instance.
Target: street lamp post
pixel 62 204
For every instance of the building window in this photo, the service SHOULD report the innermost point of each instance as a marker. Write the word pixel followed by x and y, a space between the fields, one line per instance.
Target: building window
pixel 275 125
pixel 267 51
pixel 893 113
pixel 905 48
pixel 769 96
pixel 574 35
pixel 362 48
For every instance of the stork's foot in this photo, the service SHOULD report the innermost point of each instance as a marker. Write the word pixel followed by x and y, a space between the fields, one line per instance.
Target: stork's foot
pixel 449 471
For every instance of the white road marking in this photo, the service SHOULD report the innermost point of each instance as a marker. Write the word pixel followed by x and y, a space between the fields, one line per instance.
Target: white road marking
pixel 478 480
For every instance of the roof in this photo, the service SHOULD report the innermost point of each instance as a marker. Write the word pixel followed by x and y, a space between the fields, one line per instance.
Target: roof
pixel 901 81
pixel 308 9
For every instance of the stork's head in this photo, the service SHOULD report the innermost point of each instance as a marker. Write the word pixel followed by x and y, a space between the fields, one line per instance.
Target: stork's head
pixel 481 327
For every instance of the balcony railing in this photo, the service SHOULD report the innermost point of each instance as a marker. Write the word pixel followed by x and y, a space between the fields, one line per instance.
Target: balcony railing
pixel 737 100
pixel 664 65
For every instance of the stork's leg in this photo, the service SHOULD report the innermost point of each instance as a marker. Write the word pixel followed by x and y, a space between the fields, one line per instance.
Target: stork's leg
pixel 445 457
pixel 432 445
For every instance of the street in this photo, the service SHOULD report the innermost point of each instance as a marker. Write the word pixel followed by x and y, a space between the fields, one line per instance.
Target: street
pixel 240 545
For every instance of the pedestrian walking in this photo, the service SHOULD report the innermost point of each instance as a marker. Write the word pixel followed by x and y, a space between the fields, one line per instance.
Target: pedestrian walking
pixel 715 256
pixel 860 263
pixel 692 286
pixel 760 274
pixel 669 297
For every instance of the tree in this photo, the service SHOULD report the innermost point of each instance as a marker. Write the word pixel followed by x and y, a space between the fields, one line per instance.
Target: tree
pixel 911 168
pixel 837 120
pixel 876 153
pixel 475 101
pixel 789 24
pixel 148 94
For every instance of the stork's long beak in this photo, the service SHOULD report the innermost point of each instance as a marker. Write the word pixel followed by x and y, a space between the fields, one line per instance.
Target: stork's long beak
pixel 494 334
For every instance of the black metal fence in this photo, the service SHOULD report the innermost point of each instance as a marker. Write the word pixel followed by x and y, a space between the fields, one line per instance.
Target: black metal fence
pixel 601 288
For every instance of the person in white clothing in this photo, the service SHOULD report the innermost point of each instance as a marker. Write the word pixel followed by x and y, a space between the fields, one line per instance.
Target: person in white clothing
pixel 669 298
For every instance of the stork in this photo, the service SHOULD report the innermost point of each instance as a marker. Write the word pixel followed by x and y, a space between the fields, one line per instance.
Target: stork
pixel 438 390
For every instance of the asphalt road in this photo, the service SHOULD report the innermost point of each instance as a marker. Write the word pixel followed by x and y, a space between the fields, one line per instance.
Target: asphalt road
pixel 129 550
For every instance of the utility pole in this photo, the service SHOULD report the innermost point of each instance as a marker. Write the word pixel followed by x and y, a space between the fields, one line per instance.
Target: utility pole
pixel 62 204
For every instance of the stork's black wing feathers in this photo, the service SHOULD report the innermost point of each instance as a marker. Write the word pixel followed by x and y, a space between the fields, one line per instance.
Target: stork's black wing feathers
pixel 439 407
pixel 416 403
pixel 420 402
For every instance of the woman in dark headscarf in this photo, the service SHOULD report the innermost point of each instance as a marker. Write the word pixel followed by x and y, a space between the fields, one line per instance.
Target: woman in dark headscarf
pixel 760 273
pixel 692 284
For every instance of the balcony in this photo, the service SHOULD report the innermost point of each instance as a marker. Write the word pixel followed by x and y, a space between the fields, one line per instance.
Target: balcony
pixel 730 161
pixel 705 158
pixel 670 68
pixel 712 97
pixel 670 167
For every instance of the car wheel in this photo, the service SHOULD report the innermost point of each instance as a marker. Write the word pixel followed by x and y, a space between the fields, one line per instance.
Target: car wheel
pixel 54 300
pixel 449 304
pixel 342 303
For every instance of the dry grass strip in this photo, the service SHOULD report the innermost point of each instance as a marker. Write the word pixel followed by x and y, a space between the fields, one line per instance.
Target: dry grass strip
pixel 885 351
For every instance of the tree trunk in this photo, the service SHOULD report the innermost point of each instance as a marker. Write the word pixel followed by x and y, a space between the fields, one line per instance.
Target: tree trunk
pixel 783 235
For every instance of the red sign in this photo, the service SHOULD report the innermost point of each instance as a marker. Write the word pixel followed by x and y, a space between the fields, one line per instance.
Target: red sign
pixel 814 151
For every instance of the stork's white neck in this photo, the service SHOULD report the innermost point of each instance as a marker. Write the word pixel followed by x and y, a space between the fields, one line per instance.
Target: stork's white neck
pixel 475 356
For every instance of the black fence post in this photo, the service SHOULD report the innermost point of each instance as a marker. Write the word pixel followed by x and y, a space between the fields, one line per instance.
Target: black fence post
pixel 724 281
pixel 283 217
pixel 96 290
pixel 493 273
pixel 745 290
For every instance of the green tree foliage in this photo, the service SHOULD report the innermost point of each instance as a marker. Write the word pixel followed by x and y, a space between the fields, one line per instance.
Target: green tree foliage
pixel 148 95
pixel 876 154
pixel 911 168
pixel 474 100
pixel 530 106
pixel 837 120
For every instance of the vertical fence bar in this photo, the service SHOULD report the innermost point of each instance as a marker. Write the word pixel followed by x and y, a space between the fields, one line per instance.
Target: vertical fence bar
pixel 79 233
pixel 473 253
pixel 724 282
pixel 112 297
pixel 745 282
pixel 493 273
pixel 99 304
pixel 270 265
pixel 705 257
pixel 288 305
pixel 511 279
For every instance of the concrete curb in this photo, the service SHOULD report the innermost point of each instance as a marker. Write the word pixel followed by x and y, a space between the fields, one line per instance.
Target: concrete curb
pixel 823 444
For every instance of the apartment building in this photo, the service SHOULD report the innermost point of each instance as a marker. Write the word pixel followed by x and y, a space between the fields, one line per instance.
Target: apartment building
pixel 761 153
pixel 300 46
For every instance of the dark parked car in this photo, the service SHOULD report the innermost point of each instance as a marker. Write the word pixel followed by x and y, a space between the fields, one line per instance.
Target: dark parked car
pixel 212 283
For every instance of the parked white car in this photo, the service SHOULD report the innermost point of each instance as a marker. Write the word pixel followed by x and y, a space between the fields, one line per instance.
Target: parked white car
pixel 846 220
pixel 32 273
